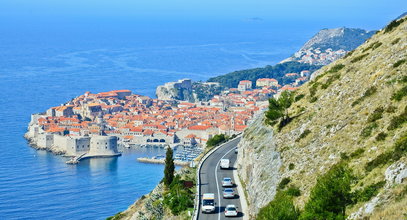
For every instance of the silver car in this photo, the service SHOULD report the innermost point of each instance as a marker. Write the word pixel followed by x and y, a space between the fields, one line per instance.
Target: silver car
pixel 228 193
pixel 227 182
pixel 231 211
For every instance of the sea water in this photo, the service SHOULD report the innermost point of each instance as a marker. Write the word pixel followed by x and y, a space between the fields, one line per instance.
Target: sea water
pixel 45 66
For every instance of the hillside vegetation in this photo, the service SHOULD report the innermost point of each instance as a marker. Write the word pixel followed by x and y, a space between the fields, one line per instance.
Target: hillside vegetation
pixel 278 71
pixel 343 153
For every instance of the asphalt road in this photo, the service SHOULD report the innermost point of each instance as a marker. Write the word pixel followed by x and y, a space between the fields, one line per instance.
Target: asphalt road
pixel 211 181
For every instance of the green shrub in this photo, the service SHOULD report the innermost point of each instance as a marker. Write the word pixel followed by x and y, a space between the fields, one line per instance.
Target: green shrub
pixel 367 131
pixel 179 198
pixel 313 99
pixel 395 41
pixel 399 149
pixel 291 166
pixel 359 58
pixel 357 153
pixel 344 156
pixel 303 135
pixel 372 46
pixel 376 115
pixel 367 193
pixel 398 63
pixel 281 207
pixel 330 196
pixel 216 140
pixel 349 54
pixel 392 25
pixel 117 216
pixel 403 79
pixel 299 97
pixel 381 136
pixel 398 121
pixel 330 80
pixel 336 68
pixel 313 89
pixel 284 182
pixel 370 91
pixel 391 109
pixel 400 94
pixel 293 191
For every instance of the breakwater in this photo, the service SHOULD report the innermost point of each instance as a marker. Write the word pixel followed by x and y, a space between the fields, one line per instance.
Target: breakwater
pixel 162 161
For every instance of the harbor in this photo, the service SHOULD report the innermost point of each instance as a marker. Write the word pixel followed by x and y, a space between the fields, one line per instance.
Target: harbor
pixel 183 156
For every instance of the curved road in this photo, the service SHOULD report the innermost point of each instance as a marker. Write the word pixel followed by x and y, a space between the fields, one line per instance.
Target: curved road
pixel 211 181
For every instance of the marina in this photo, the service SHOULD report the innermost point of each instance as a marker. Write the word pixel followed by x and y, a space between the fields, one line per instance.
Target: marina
pixel 184 155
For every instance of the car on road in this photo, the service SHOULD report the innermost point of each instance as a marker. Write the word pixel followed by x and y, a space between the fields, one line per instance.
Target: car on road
pixel 227 182
pixel 236 150
pixel 224 163
pixel 208 202
pixel 228 193
pixel 231 211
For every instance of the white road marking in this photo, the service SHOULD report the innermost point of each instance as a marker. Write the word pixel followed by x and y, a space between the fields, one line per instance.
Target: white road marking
pixel 216 178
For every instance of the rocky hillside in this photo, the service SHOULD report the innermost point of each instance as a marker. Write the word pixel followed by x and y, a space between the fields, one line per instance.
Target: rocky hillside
pixel 338 38
pixel 353 110
pixel 329 45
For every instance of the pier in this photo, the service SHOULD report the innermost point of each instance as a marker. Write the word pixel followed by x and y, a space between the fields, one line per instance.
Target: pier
pixel 75 160
pixel 162 161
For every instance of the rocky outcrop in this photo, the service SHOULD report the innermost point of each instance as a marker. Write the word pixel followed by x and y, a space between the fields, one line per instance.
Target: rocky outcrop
pixel 347 110
pixel 180 90
pixel 396 173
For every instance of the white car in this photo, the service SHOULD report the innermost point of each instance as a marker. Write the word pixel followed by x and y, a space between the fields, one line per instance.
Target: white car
pixel 227 182
pixel 236 150
pixel 228 193
pixel 231 211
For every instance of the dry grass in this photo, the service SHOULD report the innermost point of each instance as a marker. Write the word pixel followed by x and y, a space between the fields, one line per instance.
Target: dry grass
pixel 335 124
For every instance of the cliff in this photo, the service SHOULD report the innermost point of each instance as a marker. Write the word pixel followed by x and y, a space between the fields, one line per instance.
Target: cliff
pixel 180 90
pixel 353 109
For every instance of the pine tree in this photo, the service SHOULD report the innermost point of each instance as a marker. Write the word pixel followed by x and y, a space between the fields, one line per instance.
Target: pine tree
pixel 169 167
pixel 278 108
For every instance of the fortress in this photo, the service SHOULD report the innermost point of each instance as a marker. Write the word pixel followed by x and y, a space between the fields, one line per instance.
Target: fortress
pixel 73 146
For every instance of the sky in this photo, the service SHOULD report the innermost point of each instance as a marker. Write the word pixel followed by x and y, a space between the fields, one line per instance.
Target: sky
pixel 368 14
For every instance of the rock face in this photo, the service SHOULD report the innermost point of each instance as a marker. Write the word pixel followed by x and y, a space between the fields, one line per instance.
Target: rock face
pixel 180 90
pixel 260 170
pixel 348 110
pixel 338 38
pixel 396 173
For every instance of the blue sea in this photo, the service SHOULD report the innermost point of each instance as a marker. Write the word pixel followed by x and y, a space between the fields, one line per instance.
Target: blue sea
pixel 44 65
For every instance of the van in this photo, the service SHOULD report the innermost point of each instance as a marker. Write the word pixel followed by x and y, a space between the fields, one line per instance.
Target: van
pixel 208 202
pixel 224 163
